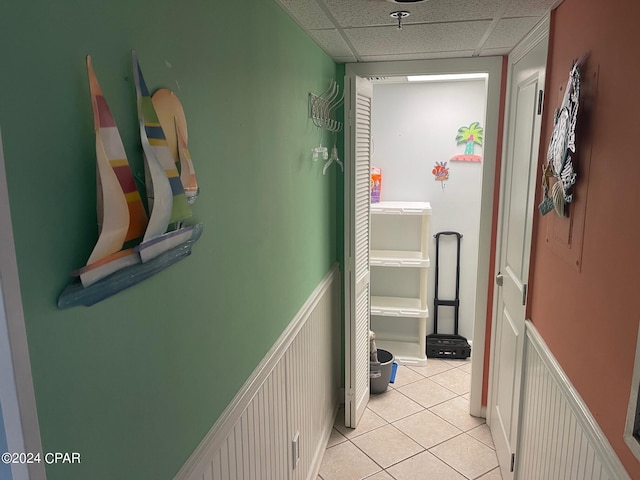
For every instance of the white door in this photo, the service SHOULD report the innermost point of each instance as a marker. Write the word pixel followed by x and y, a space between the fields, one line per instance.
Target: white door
pixel 518 187
pixel 357 177
pixel 19 432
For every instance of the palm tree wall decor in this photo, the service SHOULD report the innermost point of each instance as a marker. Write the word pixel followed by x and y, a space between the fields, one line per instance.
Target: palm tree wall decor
pixel 470 136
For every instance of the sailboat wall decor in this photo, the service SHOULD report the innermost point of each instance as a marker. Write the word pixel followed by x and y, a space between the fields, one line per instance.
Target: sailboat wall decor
pixel 122 218
pixel 165 193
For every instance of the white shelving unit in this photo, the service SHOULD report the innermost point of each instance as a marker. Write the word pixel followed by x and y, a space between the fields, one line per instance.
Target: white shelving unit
pixel 399 258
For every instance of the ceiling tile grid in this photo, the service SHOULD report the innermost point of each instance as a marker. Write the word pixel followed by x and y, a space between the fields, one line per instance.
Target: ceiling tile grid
pixel 429 38
pixel 358 13
pixel 495 52
pixel 332 41
pixel 307 13
pixel 417 56
pixel 362 30
pixel 509 31
pixel 528 8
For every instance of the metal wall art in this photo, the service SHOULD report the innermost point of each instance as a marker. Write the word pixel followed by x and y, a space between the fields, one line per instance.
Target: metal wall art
pixel 469 136
pixel 440 173
pixel 132 246
pixel 558 171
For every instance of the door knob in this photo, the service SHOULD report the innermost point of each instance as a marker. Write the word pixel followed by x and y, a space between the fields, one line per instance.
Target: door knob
pixel 499 279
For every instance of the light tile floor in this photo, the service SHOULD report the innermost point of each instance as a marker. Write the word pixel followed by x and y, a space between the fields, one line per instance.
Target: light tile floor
pixel 419 429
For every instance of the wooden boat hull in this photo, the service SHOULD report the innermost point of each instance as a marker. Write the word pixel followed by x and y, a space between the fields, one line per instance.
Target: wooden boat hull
pixel 156 246
pixel 95 272
pixel 76 294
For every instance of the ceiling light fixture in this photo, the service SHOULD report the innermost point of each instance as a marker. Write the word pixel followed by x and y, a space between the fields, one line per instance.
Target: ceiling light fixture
pixel 446 77
pixel 399 15
pixel 404 2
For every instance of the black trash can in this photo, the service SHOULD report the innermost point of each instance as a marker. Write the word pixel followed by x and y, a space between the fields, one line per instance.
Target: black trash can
pixel 380 371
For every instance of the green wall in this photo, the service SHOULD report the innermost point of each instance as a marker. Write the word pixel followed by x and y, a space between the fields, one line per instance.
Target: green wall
pixel 135 382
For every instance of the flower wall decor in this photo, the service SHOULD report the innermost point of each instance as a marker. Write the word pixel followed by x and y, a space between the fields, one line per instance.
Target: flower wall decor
pixel 440 172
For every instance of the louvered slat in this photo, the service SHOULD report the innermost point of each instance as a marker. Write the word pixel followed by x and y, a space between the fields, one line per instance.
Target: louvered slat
pixel 357 295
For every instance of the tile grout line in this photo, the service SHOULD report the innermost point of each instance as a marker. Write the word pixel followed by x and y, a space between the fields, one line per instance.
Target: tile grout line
pixel 422 409
pixel 377 428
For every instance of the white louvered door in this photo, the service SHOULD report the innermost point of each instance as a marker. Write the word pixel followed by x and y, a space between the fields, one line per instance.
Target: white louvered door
pixel 358 94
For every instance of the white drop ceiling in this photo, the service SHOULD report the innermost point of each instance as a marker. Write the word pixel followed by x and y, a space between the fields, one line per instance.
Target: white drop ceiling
pixel 362 30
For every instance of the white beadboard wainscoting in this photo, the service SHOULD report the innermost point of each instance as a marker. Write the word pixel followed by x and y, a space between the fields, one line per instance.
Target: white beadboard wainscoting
pixel 559 438
pixel 278 424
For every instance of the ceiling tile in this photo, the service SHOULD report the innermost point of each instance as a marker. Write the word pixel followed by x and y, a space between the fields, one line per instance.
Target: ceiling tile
pixel 358 13
pixel 307 13
pixel 525 8
pixel 417 56
pixel 350 59
pixel 332 42
pixel 509 32
pixel 444 37
pixel 495 52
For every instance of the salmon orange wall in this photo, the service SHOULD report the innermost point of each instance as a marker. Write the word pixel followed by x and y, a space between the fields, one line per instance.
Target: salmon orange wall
pixel 587 306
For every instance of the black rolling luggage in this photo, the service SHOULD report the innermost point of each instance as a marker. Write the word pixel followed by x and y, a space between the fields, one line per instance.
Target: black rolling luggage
pixel 442 345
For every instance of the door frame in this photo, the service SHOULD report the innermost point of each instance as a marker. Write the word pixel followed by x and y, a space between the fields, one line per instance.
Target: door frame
pixel 493 67
pixel 540 33
pixel 22 429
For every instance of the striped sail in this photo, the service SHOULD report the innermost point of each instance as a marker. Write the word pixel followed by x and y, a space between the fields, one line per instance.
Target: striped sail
pixel 121 215
pixel 167 199
pixel 174 125
pixel 187 172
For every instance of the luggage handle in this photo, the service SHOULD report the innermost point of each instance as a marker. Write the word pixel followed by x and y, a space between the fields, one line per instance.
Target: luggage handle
pixel 451 303
pixel 457 234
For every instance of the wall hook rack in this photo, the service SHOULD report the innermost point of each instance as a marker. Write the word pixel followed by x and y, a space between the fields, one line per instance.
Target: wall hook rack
pixel 322 108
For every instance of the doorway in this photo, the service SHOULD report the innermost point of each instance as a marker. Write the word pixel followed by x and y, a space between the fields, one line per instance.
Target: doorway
pixel 421 125
pixel 19 431
pixel 492 67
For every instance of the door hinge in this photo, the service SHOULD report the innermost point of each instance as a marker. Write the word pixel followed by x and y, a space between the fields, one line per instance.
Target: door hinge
pixel 540 93
pixel 513 462
pixel 350 395
pixel 524 294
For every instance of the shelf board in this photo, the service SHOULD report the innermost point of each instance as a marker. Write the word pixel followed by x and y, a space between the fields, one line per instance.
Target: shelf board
pixel 397 258
pixel 397 307
pixel 405 353
pixel 401 208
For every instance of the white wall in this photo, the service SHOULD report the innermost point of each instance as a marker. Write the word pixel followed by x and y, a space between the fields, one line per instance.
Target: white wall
pixel 415 125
